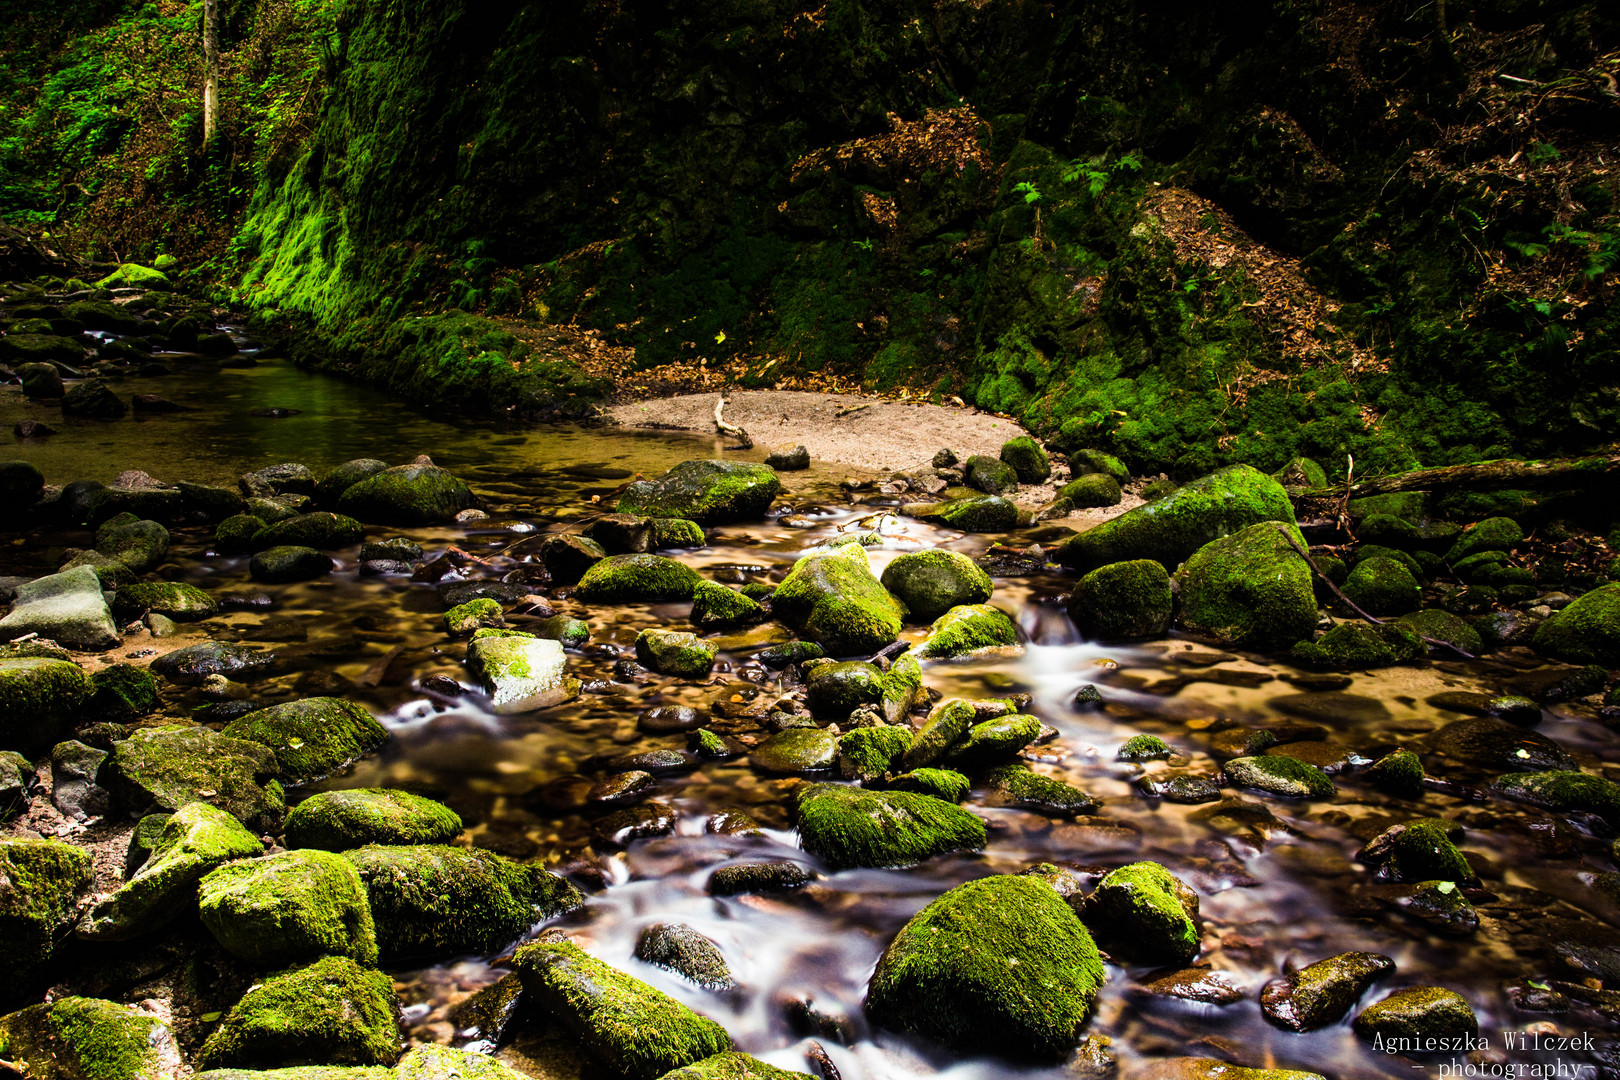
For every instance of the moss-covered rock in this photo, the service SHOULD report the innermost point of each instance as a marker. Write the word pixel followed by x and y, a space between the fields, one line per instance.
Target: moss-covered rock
pixel 164 768
pixel 322 530
pixel 686 952
pixel 1302 472
pixel 44 879
pixel 135 276
pixel 332 1011
pixel 1286 776
pixel 290 908
pixel 990 475
pixel 968 628
pixel 1419 850
pixel 194 840
pixel 520 673
pixel 1251 589
pixel 311 738
pixel 634 1030
pixel 1416 1015
pixel 847 827
pixel 832 598
pixel 946 784
pixel 234 535
pixel 340 478
pixel 406 495
pixel 796 751
pixel 733 1066
pixel 288 563
pixel 139 545
pixel 707 492
pixel 16 782
pixel 342 820
pixel 992 742
pixel 78 1038
pixel 1492 534
pixel 67 608
pixel 1148 911
pixel 573 633
pixel 675 532
pixel 832 691
pixel 1001 965
pixel 1356 646
pixel 866 754
pixel 1444 626
pixel 1564 792
pixel 95 399
pixel 946 723
pixel 1585 632
pixel 929 583
pixel 1027 459
pixel 303 1072
pixel 1143 748
pixel 1399 772
pixel 1317 995
pixel 1016 785
pixel 39 698
pixel 675 652
pixel 622 579
pixel 433 901
pixel 1091 490
pixel 1175 526
pixel 974 513
pixel 112 573
pixel 1382 586
pixel 175 600
pixel 463 619
pixel 1123 601
pixel 715 607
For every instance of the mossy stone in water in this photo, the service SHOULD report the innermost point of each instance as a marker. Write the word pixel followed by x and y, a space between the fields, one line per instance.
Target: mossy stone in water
pixel 432 1061
pixel 947 723
pixel 636 1031
pixel 341 820
pixel 1123 601
pixel 1492 534
pixel 333 1011
pixel 463 619
pixel 406 495
pixel 176 600
pixel 1419 850
pixel 573 633
pixel 993 742
pixel 1001 965
pixel 975 513
pixel 674 652
pixel 1418 1014
pixel 192 841
pixel 1251 589
pixel 866 754
pixel 1381 586
pixel 303 1072
pixel 1147 910
pixel 930 583
pixel 109 571
pixel 39 697
pixel 194 663
pixel 989 475
pixel 902 686
pixel 139 545
pixel 623 579
pixel 322 530
pixel 832 597
pixel 733 1066
pixel 834 690
pixel 707 492
pixel 1356 646
pixel 164 768
pixel 779 876
pixel 1585 632
pixel 796 750
pixel 342 477
pixel 1173 527
pixel 969 628
pixel 1316 996
pixel 1565 791
pixel 1285 776
pixel 234 535
pixel 1018 786
pixel 1091 490
pixel 45 879
pixel 686 952
pixel 518 672
pixel 1143 748
pixel 433 901
pixel 289 563
pixel 1444 626
pixel 1399 772
pixel 715 606
pixel 847 827
pixel 289 908
pixel 674 532
pixel 311 738
pixel 78 1038
pixel 946 784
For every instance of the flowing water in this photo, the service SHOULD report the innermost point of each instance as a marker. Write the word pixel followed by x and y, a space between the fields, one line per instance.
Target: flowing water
pixel 1278 880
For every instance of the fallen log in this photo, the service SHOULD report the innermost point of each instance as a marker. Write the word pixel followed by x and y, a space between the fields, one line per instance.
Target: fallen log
pixel 1551 473
pixel 747 443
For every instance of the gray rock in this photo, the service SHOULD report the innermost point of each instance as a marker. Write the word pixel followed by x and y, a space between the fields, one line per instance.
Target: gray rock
pixel 789 459
pixel 67 608
pixel 686 952
pixel 74 790
pixel 139 545
pixel 194 663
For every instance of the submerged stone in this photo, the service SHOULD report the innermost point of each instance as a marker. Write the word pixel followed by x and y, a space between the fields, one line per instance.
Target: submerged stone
pixel 1497 744
pixel 848 827
pixel 332 1011
pixel 707 492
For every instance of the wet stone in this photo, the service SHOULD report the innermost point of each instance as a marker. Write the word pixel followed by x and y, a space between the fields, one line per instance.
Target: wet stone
pixel 1321 993
pixel 796 751
pixel 1179 789
pixel 621 787
pixel 639 822
pixel 1197 984
pixel 669 719
pixel 1340 710
pixel 1496 744
pixel 766 877
pixel 686 952
pixel 654 761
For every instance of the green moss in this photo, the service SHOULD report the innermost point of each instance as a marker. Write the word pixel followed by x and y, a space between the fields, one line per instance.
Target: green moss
pixel 733 1066
pixel 833 690
pixel 1018 786
pixel 946 723
pixel 1419 850
pixel 866 754
pixel 990 475
pixel 78 1038
pixel 1148 911
pixel 974 513
pixel 714 606
pixel 968 628
pixel 929 583
pixel 46 877
pixel 1355 646
pixel 433 901
pixel 311 738
pixel 621 579
pixel 135 276
pixel 902 686
pixel 302 1072
pixel 833 598
pixel 341 820
pixel 1143 748
pixel 176 600
pixel 946 784
pixel 1091 489
pixel 1417 1014
pixel 1285 776
pixel 638 1032
pixel 707 744
pixel 1399 772
pixel 847 827
pixel 1091 462
pixel 289 908
pixel 1251 589
pixel 992 742
pixel 1027 459
pixel 478 614
pixel 674 532
pixel 1585 632
pixel 672 652
pixel 707 492
pixel 165 768
pixel 234 535
pixel 431 1061
pixel 332 1011
pixel 190 843
pixel 1564 792
pixel 1001 965
pixel 39 698
pixel 1381 586
pixel 1318 994
pixel 1444 626
pixel 1492 534
pixel 1302 472
pixel 1123 601
pixel 324 531
pixel 405 495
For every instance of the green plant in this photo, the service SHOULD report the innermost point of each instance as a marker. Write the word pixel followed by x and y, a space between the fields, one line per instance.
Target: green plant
pixel 1028 191
pixel 1096 176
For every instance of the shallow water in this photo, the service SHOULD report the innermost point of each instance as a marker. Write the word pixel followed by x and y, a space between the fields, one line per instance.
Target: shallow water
pixel 1277 890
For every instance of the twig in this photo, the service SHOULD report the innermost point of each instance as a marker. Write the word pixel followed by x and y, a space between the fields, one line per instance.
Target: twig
pixel 1344 504
pixel 852 409
pixel 889 652
pixel 730 429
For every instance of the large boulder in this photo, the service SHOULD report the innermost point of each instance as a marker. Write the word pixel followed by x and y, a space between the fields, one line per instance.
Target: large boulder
pixel 406 495
pixel 1172 528
pixel 139 545
pixel 989 475
pixel 39 697
pixel 194 840
pixel 630 579
pixel 967 629
pixel 322 530
pixel 1001 965
pixel 194 663
pixel 171 599
pixel 289 908
pixel 1148 911
pixel 343 820
pixel 78 1038
pixel 45 878
pixel 520 673
pixel 1251 589
pixel 332 1011
pixel 707 492
pixel 312 738
pixel 929 583
pixel 164 768
pixel 833 598
pixel 1123 601
pixel 848 827
pixel 1585 632
pixel 67 608
pixel 632 1029
pixel 330 488
pixel 434 901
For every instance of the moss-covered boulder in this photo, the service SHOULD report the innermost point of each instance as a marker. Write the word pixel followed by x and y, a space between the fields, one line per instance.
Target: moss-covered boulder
pixel 164 768
pixel 433 1061
pixel 44 879
pixel 1147 911
pixel 1016 785
pixel 406 495
pixel 433 901
pixel 1123 601
pixel 288 563
pixel 1564 792
pixel 833 598
pixel 633 1030
pixel 733 1066
pixel 969 628
pixel 946 784
pixel 1001 965
pixel 1444 626
pixel 975 513
pixel 1027 458
pixel 289 908
pixel 1286 776
pixel 1302 472
pixel 1172 528
pixel 796 751
pixel 68 608
pixel 716 607
pixel 1419 850
pixel 947 722
pixel 1319 994
pixel 520 673
pixel 1251 589
pixel 1091 490
pixel 687 953
pixel 675 652
pixel 1382 586
pixel 311 738
pixel 1356 646
pixel 707 492
pixel 342 820
pixel 833 691
pixel 78 1038
pixel 929 583
pixel 848 827
pixel 674 532
pixel 172 599
pixel 340 478
pixel 477 614
pixel 333 1011
pixel 192 841
pixel 234 535
pixel 627 579
pixel 1399 772
pixel 992 742
pixel 139 545
pixel 323 530
pixel 1418 1014
pixel 989 475
pixel 39 697
pixel 1492 534
pixel 112 573
pixel 867 754
pixel 1585 632
pixel 135 276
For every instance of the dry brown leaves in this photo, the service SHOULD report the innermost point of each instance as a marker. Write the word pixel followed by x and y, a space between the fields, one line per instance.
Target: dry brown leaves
pixel 942 139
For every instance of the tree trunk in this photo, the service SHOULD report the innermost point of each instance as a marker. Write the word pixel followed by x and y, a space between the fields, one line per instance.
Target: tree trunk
pixel 210 70
pixel 1557 473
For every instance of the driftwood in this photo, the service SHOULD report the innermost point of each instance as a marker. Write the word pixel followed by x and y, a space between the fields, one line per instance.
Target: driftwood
pixel 742 437
pixel 1552 473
